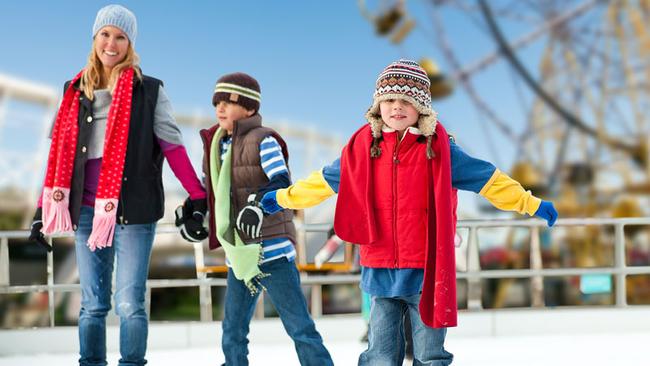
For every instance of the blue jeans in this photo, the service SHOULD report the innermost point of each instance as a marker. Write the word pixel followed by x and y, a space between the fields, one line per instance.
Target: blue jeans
pixel 283 287
pixel 131 249
pixel 386 335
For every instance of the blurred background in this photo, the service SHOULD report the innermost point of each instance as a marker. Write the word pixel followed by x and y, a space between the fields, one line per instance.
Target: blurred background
pixel 554 92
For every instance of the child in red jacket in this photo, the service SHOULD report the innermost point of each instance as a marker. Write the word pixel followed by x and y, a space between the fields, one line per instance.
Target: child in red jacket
pixel 397 180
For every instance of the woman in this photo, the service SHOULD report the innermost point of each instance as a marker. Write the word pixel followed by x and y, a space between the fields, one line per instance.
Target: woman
pixel 104 181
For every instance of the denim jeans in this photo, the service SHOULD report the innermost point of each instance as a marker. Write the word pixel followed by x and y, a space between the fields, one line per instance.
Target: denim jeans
pixel 283 287
pixel 386 335
pixel 131 249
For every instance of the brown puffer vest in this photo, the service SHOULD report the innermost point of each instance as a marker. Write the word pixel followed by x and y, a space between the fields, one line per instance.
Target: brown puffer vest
pixel 247 177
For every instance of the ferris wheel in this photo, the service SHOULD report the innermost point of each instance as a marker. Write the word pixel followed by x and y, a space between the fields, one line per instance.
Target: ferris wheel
pixel 577 73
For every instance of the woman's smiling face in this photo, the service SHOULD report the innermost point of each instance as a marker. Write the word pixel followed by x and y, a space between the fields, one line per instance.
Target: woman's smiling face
pixel 111 46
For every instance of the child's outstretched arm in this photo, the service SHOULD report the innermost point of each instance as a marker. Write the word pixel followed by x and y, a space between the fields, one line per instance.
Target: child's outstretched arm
pixel 498 188
pixel 304 193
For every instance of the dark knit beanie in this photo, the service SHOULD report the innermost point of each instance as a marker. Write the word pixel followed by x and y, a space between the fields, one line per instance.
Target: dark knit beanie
pixel 238 88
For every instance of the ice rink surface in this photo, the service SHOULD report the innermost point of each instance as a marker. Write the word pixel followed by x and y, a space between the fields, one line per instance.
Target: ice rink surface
pixel 592 350
pixel 573 338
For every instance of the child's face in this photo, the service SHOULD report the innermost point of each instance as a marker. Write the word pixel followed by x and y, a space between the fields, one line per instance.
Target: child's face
pixel 228 113
pixel 398 114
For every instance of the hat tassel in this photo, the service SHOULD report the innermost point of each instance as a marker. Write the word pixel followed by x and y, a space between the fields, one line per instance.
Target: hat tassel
pixel 430 153
pixel 375 150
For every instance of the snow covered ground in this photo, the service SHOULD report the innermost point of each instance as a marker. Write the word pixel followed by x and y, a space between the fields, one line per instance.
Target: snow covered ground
pixel 530 338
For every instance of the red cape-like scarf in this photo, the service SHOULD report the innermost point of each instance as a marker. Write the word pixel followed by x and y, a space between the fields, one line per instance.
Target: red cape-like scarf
pixel 354 220
pixel 58 177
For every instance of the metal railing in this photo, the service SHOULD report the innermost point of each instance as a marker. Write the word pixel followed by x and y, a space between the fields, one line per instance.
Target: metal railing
pixel 473 275
pixel 536 272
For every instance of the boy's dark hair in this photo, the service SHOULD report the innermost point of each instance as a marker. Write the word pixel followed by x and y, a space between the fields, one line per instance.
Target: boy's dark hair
pixel 238 88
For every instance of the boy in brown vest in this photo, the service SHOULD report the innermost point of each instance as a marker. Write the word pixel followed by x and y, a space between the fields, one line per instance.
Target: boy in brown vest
pixel 242 161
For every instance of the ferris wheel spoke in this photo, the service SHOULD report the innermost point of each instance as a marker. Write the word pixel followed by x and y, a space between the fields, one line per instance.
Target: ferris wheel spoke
pixel 623 121
pixel 570 118
pixel 512 11
pixel 492 116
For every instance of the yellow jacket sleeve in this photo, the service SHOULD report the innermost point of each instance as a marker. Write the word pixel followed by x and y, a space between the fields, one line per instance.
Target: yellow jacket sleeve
pixel 507 194
pixel 305 193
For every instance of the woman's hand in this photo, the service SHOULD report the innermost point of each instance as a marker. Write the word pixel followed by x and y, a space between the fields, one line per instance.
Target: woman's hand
pixel 36 236
pixel 189 220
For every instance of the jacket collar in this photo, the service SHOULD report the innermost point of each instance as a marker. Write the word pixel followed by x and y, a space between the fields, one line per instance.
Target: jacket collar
pixel 410 136
pixel 411 130
pixel 242 126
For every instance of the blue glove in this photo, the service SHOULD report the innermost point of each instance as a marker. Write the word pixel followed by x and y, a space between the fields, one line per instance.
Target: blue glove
pixel 547 212
pixel 270 203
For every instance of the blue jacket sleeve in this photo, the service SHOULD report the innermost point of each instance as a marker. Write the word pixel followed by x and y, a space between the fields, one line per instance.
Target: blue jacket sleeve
pixel 332 174
pixel 468 173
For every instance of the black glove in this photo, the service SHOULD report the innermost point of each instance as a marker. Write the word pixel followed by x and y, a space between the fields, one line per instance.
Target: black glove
pixel 331 232
pixel 189 220
pixel 36 236
pixel 196 208
pixel 250 218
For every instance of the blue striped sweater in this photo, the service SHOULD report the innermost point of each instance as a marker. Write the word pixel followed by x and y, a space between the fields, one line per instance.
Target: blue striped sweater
pixel 272 162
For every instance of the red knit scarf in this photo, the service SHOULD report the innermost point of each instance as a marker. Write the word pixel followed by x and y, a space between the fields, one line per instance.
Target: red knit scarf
pixel 56 189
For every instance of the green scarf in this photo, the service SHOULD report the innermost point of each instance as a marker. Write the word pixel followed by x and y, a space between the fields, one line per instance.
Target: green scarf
pixel 244 258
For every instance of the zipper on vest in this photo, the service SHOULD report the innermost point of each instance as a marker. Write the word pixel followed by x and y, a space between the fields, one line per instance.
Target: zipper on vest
pixel 233 206
pixel 395 195
pixel 123 213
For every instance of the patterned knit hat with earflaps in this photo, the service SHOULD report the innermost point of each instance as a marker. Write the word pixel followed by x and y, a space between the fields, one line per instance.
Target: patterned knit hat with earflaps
pixel 406 80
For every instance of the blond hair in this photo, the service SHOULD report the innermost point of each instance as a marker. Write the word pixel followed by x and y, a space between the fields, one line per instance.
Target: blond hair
pixel 93 75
